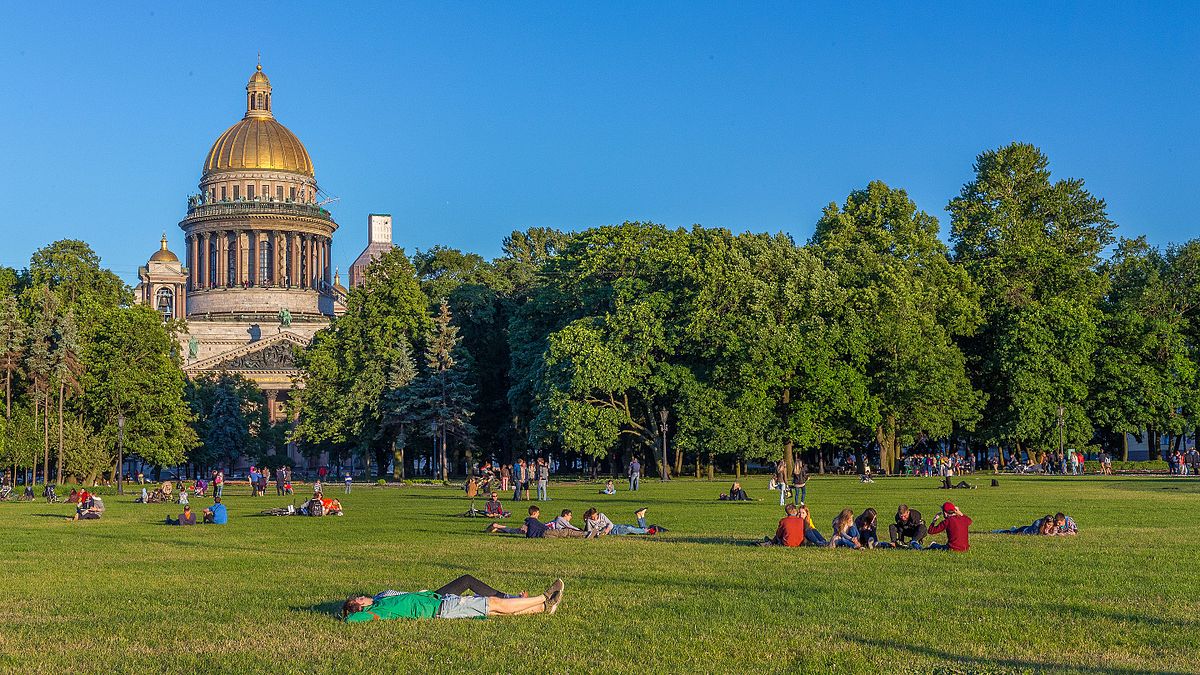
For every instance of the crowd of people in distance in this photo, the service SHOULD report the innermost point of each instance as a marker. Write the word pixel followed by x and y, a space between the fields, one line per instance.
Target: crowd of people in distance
pixel 1057 525
pixel 533 475
pixel 1184 463
pixel 595 524
pixel 861 532
pixel 451 602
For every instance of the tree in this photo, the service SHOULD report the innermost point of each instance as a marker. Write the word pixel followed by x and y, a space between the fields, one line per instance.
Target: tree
pixel 229 418
pixel 443 396
pixel 1146 375
pixel 345 366
pixel 66 370
pixel 12 352
pixel 1033 246
pixel 908 303
pixel 132 370
pixel 400 411
pixel 71 270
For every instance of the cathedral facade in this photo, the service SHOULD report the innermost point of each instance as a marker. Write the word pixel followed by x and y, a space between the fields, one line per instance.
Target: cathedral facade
pixel 256 279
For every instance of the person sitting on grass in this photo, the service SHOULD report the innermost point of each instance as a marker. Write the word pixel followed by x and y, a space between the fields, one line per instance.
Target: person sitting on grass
pixel 449 602
pixel 216 514
pixel 609 488
pixel 908 525
pixel 845 534
pixel 790 531
pixel 532 528
pixel 92 509
pixel 185 518
pixel 598 525
pixel 493 508
pixel 736 494
pixel 812 536
pixel 867 534
pixel 73 498
pixel 955 525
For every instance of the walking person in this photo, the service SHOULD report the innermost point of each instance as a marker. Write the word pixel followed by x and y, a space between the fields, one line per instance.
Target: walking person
pixel 218 482
pixel 349 482
pixel 505 476
pixel 799 480
pixel 635 473
pixel 543 479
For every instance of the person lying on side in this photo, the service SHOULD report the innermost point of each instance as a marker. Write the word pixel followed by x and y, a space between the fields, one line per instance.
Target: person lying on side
pixel 1064 525
pixel 450 602
pixel 598 525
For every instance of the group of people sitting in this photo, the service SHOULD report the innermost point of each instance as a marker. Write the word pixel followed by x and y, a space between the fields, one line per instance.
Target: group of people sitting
pixel 213 515
pixel 161 495
pixel 908 531
pixel 320 505
pixel 595 524
pixel 88 506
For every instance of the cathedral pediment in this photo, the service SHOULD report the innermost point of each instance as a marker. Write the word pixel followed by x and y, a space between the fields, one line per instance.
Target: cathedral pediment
pixel 275 354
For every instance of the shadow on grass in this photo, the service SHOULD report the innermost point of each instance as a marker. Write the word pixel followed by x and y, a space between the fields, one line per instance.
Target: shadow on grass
pixel 329 608
pixel 728 541
pixel 52 515
pixel 961 663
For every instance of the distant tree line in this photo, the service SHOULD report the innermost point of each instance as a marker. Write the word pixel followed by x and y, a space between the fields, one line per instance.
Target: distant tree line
pixel 698 347
pixel 704 348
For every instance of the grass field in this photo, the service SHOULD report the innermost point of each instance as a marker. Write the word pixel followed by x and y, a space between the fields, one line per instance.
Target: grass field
pixel 127 593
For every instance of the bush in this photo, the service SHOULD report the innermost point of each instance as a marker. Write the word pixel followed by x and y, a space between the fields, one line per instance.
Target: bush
pixel 381 481
pixel 1153 465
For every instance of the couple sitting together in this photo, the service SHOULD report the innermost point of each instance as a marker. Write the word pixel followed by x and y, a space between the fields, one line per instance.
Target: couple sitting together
pixel 1058 525
pixel 596 524
pixel 796 529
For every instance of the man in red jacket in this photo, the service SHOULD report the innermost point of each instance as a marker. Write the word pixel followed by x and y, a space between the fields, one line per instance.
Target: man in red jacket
pixel 956 527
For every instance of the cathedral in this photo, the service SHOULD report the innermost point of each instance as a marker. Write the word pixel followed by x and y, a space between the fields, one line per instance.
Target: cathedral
pixel 256 279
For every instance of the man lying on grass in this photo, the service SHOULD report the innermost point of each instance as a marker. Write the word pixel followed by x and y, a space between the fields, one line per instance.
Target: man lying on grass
pixel 451 602
pixel 598 524
pixel 533 528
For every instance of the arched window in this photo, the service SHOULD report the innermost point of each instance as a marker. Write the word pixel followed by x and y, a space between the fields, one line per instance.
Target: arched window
pixel 165 302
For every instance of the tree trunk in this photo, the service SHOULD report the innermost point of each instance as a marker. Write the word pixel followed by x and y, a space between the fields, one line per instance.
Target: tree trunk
pixel 1124 447
pixel 1152 446
pixel 397 463
pixel 61 391
pixel 737 468
pixel 788 455
pixel 699 461
pixel 46 440
pixel 678 461
pixel 711 471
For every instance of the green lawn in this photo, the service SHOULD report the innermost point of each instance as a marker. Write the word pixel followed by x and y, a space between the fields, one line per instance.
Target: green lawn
pixel 128 594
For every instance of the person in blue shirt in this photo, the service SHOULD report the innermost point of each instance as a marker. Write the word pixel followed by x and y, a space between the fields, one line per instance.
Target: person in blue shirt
pixel 216 513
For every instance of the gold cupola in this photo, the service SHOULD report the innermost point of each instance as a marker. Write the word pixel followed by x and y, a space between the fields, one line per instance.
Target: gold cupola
pixel 258 141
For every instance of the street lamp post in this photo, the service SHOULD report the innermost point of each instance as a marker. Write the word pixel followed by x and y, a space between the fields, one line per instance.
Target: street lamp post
pixel 120 450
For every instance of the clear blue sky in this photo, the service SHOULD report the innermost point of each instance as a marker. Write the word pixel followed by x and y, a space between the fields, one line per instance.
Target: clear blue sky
pixel 466 121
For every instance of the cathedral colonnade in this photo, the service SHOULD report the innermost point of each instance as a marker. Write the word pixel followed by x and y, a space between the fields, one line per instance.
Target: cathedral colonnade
pixel 258 257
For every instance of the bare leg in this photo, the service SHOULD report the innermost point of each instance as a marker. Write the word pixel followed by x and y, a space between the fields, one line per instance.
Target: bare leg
pixel 514 606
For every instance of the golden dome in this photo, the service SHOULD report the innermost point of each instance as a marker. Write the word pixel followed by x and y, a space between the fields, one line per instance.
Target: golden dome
pixel 258 141
pixel 164 254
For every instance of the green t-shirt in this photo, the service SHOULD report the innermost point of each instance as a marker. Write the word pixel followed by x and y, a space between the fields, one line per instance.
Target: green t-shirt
pixel 423 605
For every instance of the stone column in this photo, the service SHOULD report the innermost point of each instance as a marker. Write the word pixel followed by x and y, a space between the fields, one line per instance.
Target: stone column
pixel 327 267
pixel 243 258
pixel 271 397
pixel 251 257
pixel 205 256
pixel 280 258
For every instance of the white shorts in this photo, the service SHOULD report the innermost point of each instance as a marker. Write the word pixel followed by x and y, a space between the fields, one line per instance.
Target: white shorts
pixel 463 607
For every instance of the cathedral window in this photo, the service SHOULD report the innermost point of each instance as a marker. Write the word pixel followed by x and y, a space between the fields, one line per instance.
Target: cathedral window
pixel 237 192
pixel 223 196
pixel 249 192
pixel 279 192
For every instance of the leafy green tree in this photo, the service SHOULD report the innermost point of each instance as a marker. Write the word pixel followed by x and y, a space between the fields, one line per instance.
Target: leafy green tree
pixel 909 304
pixel 442 396
pixel 1146 374
pixel 1033 246
pixel 345 367
pixel 229 418
pixel 66 369
pixel 12 346
pixel 71 270
pixel 400 409
pixel 131 368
